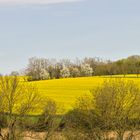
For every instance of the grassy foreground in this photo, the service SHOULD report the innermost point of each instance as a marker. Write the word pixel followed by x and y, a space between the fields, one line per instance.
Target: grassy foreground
pixel 66 91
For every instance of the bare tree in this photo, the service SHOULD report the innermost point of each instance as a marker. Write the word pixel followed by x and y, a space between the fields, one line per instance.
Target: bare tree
pixel 17 99
pixel 48 122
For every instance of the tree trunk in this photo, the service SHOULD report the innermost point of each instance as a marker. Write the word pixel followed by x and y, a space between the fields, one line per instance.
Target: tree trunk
pixel 120 136
pixel 11 135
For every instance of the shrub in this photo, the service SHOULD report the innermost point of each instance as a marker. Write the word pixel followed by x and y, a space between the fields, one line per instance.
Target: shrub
pixel 44 75
pixel 65 73
pixel 86 70
pixel 113 106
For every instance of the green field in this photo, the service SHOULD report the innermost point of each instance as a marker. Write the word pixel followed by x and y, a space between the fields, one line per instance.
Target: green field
pixel 66 91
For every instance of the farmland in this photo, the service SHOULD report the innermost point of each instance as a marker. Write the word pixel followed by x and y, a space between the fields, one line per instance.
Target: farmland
pixel 66 91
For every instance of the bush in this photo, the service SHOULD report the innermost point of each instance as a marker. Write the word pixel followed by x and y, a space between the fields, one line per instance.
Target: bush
pixel 74 72
pixel 86 70
pixel 113 106
pixel 65 73
pixel 44 75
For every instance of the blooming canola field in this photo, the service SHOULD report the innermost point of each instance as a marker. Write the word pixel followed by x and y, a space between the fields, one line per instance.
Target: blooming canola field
pixel 66 91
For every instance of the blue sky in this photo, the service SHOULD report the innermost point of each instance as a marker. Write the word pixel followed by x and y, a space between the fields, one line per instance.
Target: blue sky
pixel 109 29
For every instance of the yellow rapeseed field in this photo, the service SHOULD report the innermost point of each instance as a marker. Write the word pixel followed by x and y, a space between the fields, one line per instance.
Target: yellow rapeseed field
pixel 66 91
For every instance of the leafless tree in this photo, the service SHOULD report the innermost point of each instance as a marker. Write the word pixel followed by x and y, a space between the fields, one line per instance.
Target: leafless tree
pixel 48 120
pixel 17 100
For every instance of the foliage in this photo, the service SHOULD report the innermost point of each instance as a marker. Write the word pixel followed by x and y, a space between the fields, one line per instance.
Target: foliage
pixel 44 75
pixel 65 73
pixel 78 68
pixel 16 99
pixel 74 72
pixel 86 70
pixel 14 73
pixel 112 107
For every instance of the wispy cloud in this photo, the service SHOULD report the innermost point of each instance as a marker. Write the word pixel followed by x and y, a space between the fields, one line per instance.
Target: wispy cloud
pixel 34 2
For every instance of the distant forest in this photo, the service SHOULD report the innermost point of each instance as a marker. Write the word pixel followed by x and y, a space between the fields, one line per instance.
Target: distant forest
pixel 42 68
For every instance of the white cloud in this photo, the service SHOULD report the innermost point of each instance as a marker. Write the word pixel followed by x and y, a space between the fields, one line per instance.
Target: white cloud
pixel 34 2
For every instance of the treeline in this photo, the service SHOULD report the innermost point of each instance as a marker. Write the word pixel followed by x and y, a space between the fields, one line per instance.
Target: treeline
pixel 41 68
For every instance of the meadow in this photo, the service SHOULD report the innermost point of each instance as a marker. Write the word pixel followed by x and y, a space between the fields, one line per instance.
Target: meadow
pixel 66 91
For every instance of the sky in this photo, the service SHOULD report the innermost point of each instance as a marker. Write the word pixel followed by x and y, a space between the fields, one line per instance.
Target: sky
pixel 109 29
